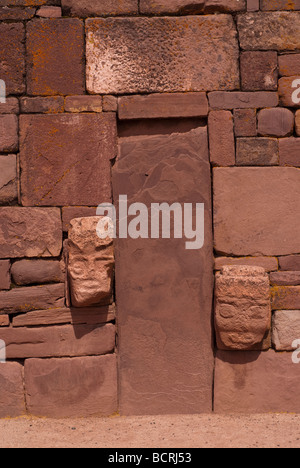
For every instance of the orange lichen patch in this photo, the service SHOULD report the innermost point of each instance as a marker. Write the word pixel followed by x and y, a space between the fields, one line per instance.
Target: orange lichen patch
pixel 285 297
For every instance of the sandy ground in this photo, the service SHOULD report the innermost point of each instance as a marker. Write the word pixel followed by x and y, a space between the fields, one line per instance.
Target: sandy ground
pixel 211 431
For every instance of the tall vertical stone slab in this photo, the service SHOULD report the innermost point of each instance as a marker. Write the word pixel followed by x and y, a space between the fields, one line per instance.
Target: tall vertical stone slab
pixel 163 291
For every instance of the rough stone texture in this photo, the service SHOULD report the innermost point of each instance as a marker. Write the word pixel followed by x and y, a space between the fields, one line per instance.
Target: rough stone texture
pixel 157 106
pixel 8 179
pixel 254 382
pixel 286 329
pixel 285 278
pixel 60 341
pixel 242 307
pixel 289 152
pixel 268 263
pixel 190 7
pixel 11 106
pixel 285 297
pixel 4 320
pixel 8 133
pixel 4 274
pixel 191 54
pixel 269 31
pixel 289 65
pixel 89 316
pixel 256 221
pixel 276 5
pixel 221 138
pixel 276 122
pixel 85 9
pixel 12 401
pixel 286 91
pixel 65 159
pixel 297 122
pixel 290 263
pixel 110 104
pixel 12 63
pixel 155 336
pixel 26 272
pixel 55 57
pixel 90 264
pixel 83 104
pixel 77 388
pixel 257 152
pixel 49 12
pixel 242 100
pixel 42 105
pixel 72 212
pixel 34 298
pixel 245 122
pixel 253 5
pixel 30 232
pixel 259 71
pixel 16 14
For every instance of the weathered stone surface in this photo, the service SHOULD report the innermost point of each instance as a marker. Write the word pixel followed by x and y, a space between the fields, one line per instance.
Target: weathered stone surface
pixel 86 9
pixel 12 401
pixel 286 329
pixel 83 104
pixel 256 31
pixel 221 138
pixel 259 71
pixel 78 387
pixel 155 106
pixel 155 337
pixel 65 159
pixel 8 179
pixel 191 54
pixel 26 272
pixel 42 105
pixel 190 7
pixel 4 320
pixel 33 298
pixel 49 12
pixel 285 278
pixel 30 232
pixel 90 264
pixel 290 263
pixel 89 316
pixel 253 5
pixel 257 151
pixel 297 122
pixel 289 152
pixel 16 14
pixel 110 104
pixel 59 341
pixel 277 122
pixel 245 122
pixel 289 65
pixel 242 100
pixel 276 5
pixel 252 215
pixel 12 63
pixel 254 382
pixel 285 297
pixel 242 307
pixel 8 133
pixel 4 274
pixel 268 263
pixel 72 212
pixel 286 91
pixel 55 57
pixel 11 106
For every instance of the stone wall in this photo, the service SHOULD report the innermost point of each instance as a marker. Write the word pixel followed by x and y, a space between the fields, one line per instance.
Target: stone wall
pixel 98 93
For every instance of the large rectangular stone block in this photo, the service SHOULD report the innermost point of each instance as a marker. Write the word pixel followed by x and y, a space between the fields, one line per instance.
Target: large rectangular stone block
pixel 33 298
pixel 12 400
pixel 190 7
pixel 30 232
pixel 286 329
pixel 66 159
pixel 135 55
pixel 255 211
pixel 8 179
pixel 166 364
pixel 86 8
pixel 12 57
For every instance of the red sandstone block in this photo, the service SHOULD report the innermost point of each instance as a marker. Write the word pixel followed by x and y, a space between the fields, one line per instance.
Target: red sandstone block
pixel 190 7
pixel 59 43
pixel 285 297
pixel 12 53
pixel 256 382
pixel 276 5
pixel 8 133
pixel 11 106
pixel 259 71
pixel 285 278
pixel 41 105
pixel 290 263
pixel 277 122
pixel 252 5
pixel 34 298
pixel 99 8
pixel 12 401
pixel 83 104
pixel 110 104
pixel 289 152
pixel 155 106
pixel 256 151
pixel 268 263
pixel 245 122
pixel 221 138
pixel 72 388
pixel 16 14
pixel 242 100
pixel 287 91
pixel 25 272
pixel 286 329
pixel 4 320
pixel 49 12
pixel 8 179
pixel 4 274
pixel 289 65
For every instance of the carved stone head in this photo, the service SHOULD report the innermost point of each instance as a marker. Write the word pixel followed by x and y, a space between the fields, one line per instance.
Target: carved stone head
pixel 90 264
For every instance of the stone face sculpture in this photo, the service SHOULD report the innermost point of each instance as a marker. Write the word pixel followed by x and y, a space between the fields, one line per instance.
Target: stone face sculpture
pixel 242 307
pixel 90 264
